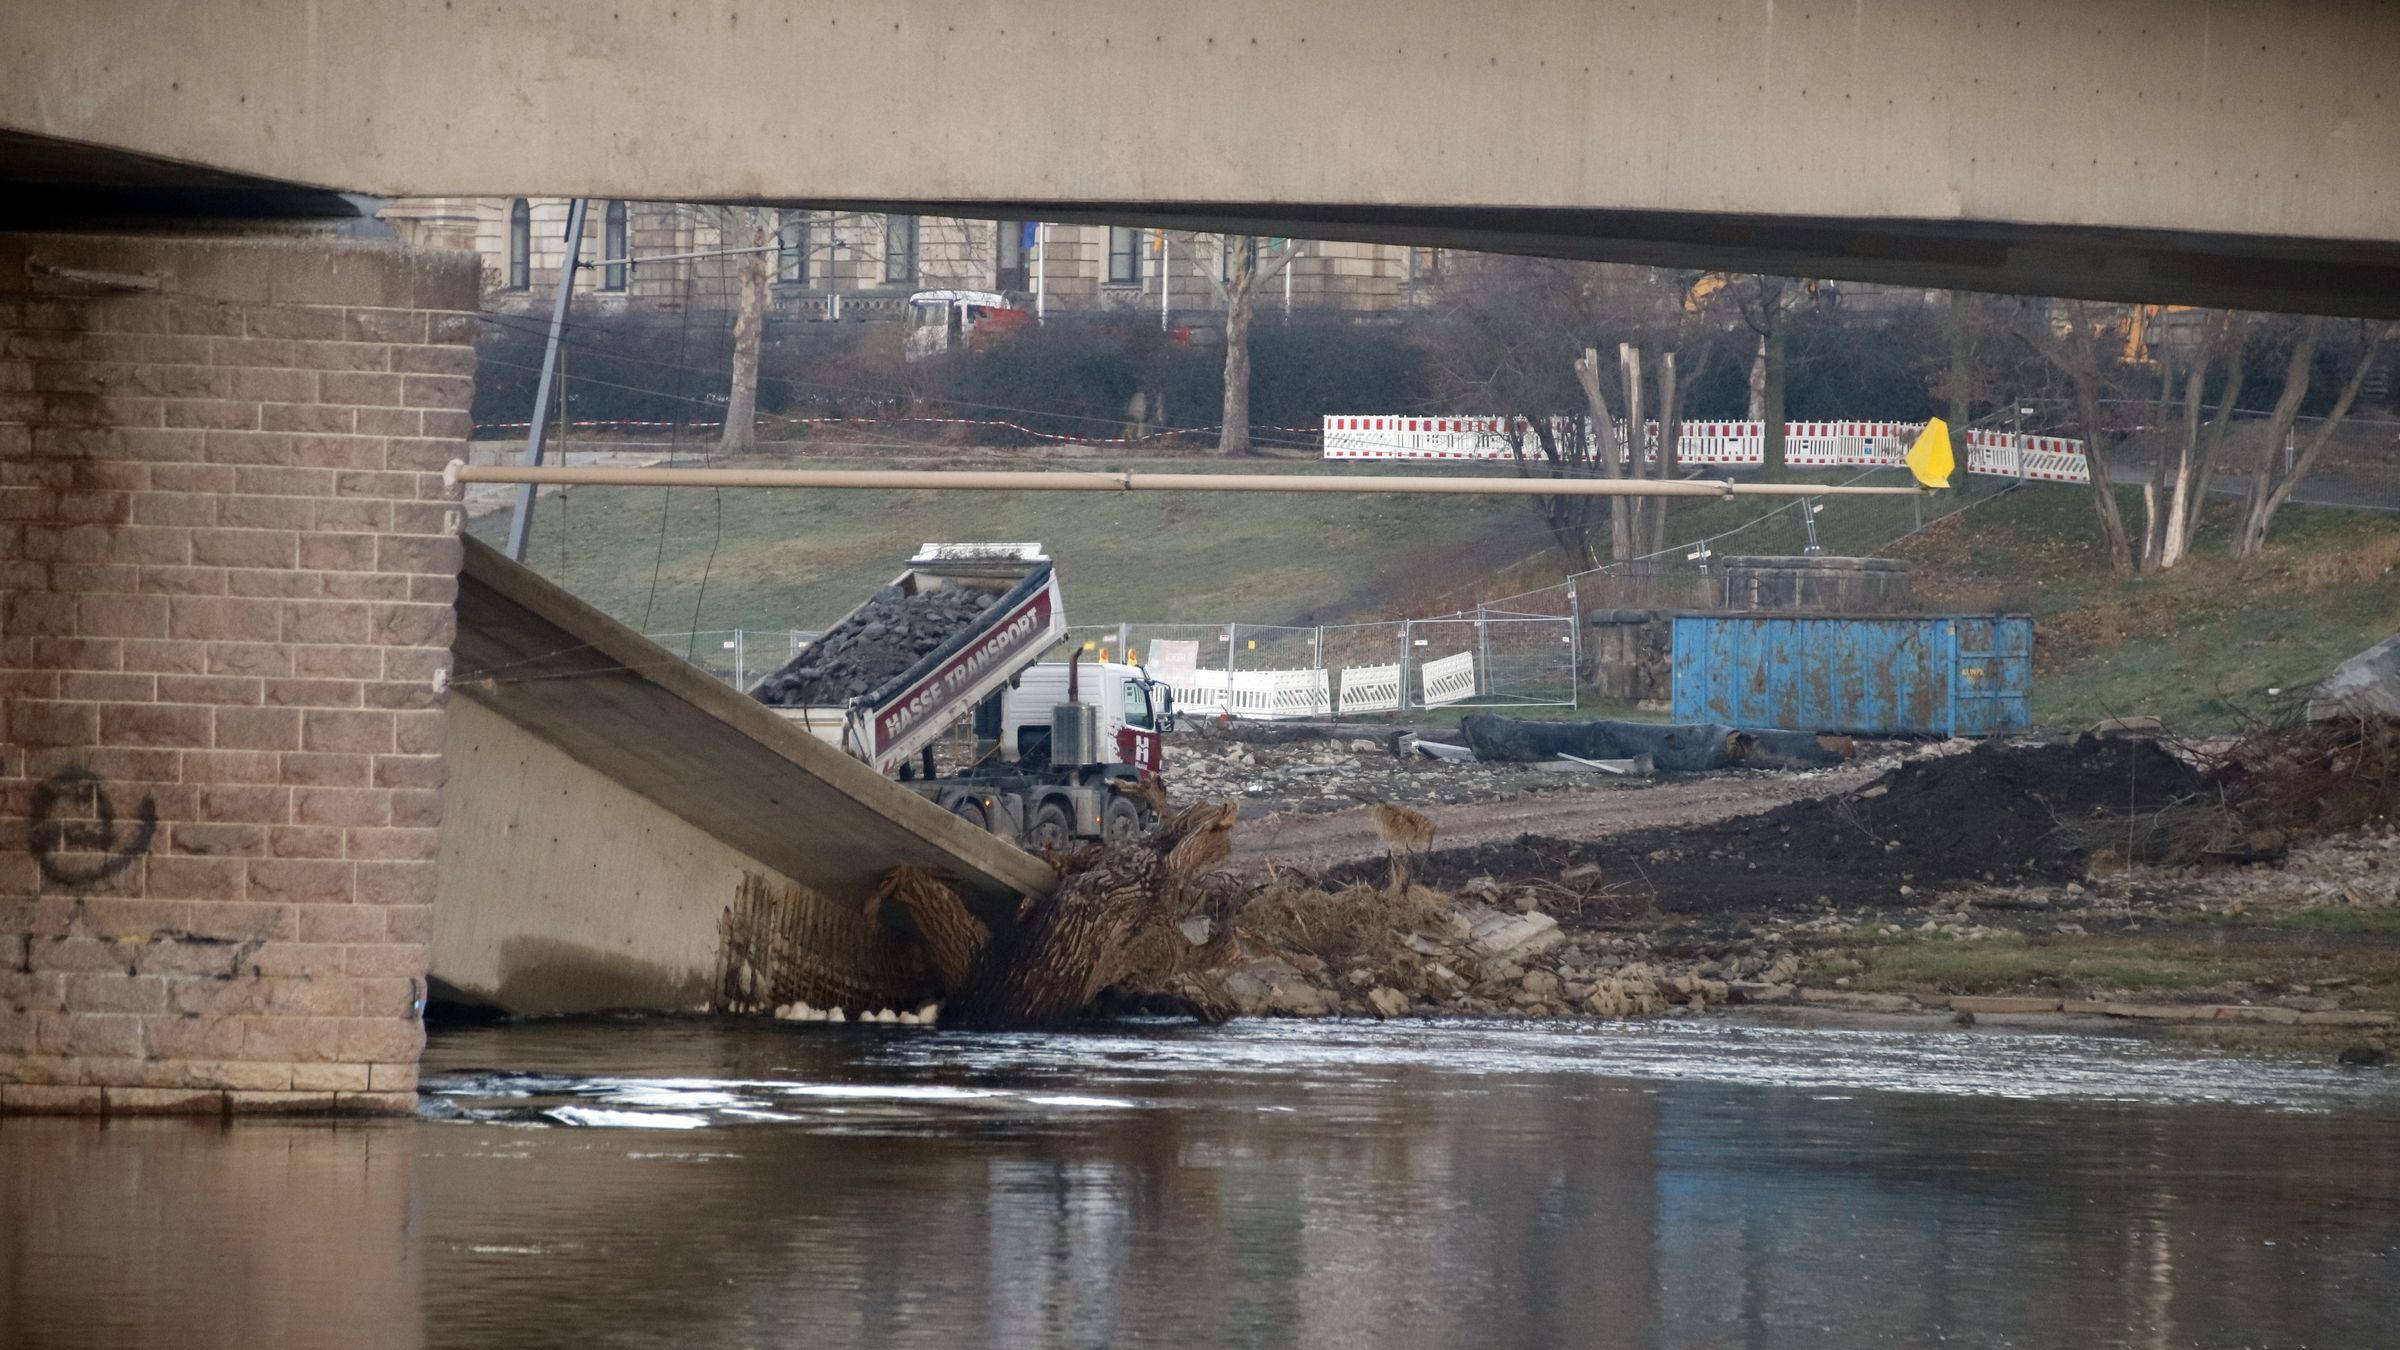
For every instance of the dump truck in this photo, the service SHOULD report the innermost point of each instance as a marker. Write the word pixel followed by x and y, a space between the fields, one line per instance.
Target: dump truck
pixel 1059 746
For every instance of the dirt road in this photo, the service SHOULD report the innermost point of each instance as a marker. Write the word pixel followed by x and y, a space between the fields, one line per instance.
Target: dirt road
pixel 1326 838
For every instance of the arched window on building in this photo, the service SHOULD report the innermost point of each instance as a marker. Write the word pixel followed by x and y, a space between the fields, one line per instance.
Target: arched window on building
pixel 613 241
pixel 520 245
pixel 791 248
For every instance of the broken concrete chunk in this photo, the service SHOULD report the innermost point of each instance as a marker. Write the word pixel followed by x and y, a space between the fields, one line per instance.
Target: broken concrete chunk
pixel 1273 985
pixel 1456 754
pixel 2366 683
pixel 1514 936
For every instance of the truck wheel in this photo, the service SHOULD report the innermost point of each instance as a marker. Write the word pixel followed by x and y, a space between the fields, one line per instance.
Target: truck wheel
pixel 1051 827
pixel 1122 822
pixel 972 812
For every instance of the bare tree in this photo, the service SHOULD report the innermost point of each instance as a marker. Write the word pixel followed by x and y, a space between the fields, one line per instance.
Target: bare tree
pixel 2183 482
pixel 2269 490
pixel 1618 458
pixel 752 228
pixel 2073 350
pixel 1237 274
pixel 1521 337
pixel 1766 305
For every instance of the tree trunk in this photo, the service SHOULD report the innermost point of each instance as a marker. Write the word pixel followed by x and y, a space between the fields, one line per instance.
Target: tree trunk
pixel 2082 367
pixel 2263 517
pixel 1635 510
pixel 1770 408
pixel 2157 490
pixel 2173 530
pixel 1233 437
pixel 1567 515
pixel 1611 449
pixel 1962 383
pixel 1962 361
pixel 2212 449
pixel 2251 534
pixel 2196 452
pixel 756 277
pixel 1670 430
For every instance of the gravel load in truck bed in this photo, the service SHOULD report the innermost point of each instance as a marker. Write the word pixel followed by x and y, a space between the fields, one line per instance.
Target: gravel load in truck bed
pixel 882 639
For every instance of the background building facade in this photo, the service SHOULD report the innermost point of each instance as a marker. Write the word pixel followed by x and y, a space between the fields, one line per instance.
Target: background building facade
pixel 858 265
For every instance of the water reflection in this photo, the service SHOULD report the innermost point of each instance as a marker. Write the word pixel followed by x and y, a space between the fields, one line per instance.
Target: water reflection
pixel 184 1233
pixel 1251 1187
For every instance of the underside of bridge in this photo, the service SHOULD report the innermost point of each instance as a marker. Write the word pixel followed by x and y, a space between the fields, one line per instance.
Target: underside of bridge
pixel 2231 153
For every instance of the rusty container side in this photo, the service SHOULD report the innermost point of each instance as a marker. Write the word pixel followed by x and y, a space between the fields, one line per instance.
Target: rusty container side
pixel 1867 675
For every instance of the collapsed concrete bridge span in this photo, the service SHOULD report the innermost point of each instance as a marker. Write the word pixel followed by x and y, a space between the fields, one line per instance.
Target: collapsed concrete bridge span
pixel 624 830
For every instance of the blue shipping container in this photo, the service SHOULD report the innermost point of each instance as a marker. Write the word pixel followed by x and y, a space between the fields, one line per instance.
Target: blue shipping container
pixel 1916 675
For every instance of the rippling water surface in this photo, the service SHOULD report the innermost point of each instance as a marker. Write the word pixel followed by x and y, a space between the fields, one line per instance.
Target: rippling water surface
pixel 1696 1184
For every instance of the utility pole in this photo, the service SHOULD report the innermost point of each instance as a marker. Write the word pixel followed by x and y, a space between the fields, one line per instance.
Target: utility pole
pixel 1041 272
pixel 520 526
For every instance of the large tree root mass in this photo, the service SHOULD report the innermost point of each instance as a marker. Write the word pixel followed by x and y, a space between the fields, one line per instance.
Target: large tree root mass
pixel 1111 906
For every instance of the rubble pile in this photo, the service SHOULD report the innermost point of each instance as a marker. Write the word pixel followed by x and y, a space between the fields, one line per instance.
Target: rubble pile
pixel 884 637
pixel 1476 959
pixel 1312 771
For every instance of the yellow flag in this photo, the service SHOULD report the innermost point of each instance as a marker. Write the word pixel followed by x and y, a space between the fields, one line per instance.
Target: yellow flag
pixel 1930 458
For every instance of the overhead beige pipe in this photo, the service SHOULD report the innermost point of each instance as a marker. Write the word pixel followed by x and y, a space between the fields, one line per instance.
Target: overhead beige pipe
pixel 997 480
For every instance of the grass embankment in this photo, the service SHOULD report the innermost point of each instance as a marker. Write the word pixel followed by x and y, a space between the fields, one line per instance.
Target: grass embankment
pixel 801 559
pixel 2357 950
pixel 2200 646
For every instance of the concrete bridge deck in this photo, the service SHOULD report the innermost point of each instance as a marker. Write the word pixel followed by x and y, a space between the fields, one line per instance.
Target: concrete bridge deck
pixel 2205 151
pixel 613 811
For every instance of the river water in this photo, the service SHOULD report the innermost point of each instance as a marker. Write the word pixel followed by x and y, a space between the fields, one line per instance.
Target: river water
pixel 1696 1184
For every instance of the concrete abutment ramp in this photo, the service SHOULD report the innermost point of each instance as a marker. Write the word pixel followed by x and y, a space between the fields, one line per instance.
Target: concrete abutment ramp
pixel 626 831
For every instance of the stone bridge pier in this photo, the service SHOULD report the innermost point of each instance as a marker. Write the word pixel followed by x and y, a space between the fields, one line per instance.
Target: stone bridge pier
pixel 227 563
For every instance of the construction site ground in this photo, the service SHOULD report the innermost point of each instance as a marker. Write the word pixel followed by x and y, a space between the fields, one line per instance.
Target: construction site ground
pixel 1919 881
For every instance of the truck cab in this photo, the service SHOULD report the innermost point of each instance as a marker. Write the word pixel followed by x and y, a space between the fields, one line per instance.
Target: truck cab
pixel 946 321
pixel 1134 711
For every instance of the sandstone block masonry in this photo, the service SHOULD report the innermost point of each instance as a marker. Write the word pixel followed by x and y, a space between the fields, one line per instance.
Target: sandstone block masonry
pixel 227 562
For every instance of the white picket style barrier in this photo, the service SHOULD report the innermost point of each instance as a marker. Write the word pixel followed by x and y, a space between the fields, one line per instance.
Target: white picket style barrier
pixel 1273 694
pixel 1201 691
pixel 2048 459
pixel 1448 680
pixel 1259 695
pixel 1370 688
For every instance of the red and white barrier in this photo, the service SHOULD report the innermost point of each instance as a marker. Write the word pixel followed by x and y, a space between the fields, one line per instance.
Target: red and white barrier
pixel 1819 445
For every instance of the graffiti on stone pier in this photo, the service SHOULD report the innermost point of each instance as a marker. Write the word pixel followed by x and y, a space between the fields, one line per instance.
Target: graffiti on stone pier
pixel 72 814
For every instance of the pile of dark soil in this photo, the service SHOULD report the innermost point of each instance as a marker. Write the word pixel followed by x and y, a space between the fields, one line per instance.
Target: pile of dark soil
pixel 1999 813
pixel 887 636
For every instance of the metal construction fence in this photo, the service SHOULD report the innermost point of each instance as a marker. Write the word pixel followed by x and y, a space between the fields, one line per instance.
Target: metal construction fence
pixel 738 656
pixel 1491 658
